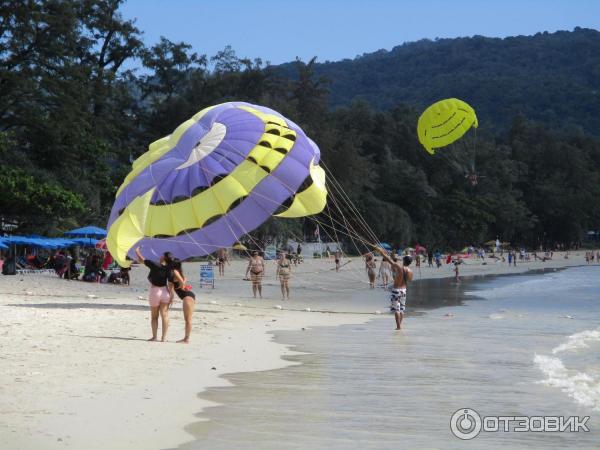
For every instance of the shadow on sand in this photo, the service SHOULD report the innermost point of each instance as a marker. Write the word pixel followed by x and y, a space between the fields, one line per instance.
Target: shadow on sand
pixel 121 307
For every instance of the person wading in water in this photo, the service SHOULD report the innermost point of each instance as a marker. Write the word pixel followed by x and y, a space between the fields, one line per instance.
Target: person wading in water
pixel 402 275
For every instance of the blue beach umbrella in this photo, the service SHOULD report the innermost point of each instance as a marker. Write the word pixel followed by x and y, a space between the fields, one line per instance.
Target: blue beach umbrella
pixel 89 231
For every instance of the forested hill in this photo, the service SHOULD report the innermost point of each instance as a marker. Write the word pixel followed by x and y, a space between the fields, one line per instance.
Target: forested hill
pixel 73 117
pixel 552 78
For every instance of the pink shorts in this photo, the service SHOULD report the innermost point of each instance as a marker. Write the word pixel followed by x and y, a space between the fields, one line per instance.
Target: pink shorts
pixel 158 295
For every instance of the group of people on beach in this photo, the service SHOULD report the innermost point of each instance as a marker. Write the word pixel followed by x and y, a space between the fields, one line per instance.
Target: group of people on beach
pixel 589 256
pixel 255 271
pixel 167 280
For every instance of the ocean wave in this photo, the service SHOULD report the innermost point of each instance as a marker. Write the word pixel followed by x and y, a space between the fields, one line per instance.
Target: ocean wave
pixel 582 387
pixel 578 341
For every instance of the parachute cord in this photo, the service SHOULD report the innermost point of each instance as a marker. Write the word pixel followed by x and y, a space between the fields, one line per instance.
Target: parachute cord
pixel 353 209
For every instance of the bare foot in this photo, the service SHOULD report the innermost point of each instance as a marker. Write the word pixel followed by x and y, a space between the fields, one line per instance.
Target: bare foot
pixel 163 339
pixel 152 339
pixel 398 328
pixel 183 341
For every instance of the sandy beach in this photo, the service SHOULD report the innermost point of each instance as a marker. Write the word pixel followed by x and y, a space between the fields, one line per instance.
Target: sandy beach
pixel 78 372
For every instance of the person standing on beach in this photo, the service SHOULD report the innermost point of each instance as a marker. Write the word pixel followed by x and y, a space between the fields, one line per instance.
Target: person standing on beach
pixel 187 297
pixel 456 272
pixel 338 259
pixel 385 272
pixel 222 258
pixel 370 266
pixel 159 296
pixel 284 272
pixel 402 276
pixel 256 268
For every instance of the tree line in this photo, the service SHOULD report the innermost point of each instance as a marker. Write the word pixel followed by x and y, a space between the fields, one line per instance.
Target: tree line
pixel 74 113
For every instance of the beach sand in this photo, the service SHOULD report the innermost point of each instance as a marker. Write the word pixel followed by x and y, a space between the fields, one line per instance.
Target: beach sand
pixel 78 372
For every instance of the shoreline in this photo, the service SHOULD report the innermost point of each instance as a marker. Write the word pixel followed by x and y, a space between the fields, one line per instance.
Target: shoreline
pixel 314 403
pixel 84 367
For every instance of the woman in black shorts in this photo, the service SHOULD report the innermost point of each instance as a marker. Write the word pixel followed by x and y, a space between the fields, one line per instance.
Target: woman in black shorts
pixel 186 295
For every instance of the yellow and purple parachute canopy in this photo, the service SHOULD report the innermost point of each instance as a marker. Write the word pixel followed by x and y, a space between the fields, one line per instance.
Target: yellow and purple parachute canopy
pixel 218 176
pixel 445 122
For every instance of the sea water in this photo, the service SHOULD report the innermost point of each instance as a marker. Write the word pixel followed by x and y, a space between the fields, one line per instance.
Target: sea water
pixel 525 345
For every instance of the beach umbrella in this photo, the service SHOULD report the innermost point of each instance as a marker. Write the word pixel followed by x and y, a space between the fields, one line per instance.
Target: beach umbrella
pixel 3 245
pixel 385 246
pixel 90 232
pixel 241 247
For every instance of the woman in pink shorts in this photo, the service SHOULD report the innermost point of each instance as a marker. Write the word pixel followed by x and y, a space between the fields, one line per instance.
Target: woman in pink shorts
pixel 159 295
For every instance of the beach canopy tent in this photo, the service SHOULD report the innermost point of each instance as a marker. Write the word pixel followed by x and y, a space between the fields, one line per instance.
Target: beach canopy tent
pixel 38 241
pixel 85 242
pixel 87 232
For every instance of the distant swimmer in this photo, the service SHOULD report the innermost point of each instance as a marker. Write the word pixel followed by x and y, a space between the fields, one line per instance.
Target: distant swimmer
pixel 222 258
pixel 256 268
pixel 370 266
pixel 402 276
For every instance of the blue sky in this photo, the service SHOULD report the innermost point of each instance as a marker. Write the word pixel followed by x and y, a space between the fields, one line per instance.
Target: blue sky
pixel 278 31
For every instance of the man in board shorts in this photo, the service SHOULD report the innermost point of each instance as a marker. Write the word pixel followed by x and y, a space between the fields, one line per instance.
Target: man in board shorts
pixel 402 275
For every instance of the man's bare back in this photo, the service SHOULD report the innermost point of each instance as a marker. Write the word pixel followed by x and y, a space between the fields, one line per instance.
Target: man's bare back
pixel 402 274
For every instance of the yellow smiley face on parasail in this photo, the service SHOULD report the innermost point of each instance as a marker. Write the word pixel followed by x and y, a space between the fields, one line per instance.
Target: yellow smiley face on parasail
pixel 445 122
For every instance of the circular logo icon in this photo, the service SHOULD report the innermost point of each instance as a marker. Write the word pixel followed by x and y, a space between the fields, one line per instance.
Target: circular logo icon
pixel 465 423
